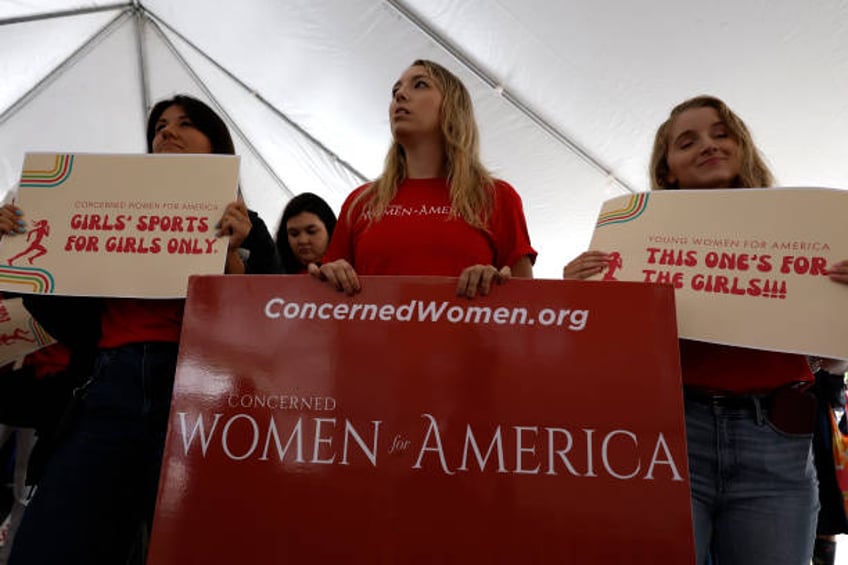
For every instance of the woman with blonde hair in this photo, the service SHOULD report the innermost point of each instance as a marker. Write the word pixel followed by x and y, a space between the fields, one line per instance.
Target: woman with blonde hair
pixel 753 171
pixel 753 482
pixel 435 210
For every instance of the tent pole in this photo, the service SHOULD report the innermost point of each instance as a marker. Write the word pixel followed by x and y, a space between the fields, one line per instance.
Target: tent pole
pixel 350 168
pixel 220 108
pixel 523 107
pixel 24 99
pixel 138 12
pixel 63 13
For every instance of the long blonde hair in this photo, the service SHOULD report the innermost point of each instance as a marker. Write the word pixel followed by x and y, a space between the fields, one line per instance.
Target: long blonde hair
pixel 470 183
pixel 753 171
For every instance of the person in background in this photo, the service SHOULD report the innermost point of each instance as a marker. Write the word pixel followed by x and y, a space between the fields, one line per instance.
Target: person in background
pixel 97 494
pixel 36 399
pixel 832 519
pixel 20 441
pixel 305 230
pixel 749 425
pixel 435 210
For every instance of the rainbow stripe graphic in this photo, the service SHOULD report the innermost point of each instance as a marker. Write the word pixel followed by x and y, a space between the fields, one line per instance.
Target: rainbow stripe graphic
pixel 637 204
pixel 41 336
pixel 62 167
pixel 38 281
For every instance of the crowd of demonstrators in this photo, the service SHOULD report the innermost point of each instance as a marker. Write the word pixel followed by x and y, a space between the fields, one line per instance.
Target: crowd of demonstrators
pixel 749 421
pixel 435 210
pixel 96 495
pixel 306 227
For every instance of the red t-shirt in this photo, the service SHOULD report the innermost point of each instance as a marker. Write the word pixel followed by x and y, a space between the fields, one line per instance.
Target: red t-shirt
pixel 135 320
pixel 49 360
pixel 418 236
pixel 737 370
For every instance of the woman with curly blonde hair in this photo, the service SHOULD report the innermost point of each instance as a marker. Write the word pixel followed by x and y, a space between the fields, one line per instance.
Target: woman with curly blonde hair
pixel 753 482
pixel 435 210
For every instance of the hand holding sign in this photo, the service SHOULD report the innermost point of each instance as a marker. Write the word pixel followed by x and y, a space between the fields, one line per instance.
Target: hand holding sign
pixel 587 264
pixel 479 279
pixel 339 274
pixel 839 272
pixel 235 223
pixel 742 277
pixel 119 225
pixel 11 220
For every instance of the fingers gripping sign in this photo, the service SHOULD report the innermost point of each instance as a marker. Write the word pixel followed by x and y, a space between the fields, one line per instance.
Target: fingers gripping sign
pixel 839 272
pixel 11 220
pixel 235 223
pixel 479 278
pixel 340 274
pixel 587 264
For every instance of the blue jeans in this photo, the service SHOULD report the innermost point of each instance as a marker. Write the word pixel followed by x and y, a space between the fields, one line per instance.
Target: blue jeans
pixel 754 488
pixel 99 489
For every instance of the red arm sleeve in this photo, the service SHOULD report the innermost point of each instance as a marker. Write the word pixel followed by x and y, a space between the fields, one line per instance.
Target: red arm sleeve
pixel 342 244
pixel 509 227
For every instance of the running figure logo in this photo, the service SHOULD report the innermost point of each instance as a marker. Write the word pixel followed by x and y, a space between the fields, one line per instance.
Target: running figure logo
pixel 40 230
pixel 615 262
pixel 17 335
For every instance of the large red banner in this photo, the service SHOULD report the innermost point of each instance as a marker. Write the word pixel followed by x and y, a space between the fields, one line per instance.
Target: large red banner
pixel 540 424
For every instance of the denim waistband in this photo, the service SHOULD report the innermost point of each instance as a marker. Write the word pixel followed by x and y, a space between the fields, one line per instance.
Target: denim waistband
pixel 752 402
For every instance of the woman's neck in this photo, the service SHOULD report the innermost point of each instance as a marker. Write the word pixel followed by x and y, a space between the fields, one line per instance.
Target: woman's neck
pixel 425 160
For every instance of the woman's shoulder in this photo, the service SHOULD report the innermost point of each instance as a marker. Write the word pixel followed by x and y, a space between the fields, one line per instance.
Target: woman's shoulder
pixel 504 193
pixel 355 203
pixel 360 189
pixel 501 184
pixel 355 194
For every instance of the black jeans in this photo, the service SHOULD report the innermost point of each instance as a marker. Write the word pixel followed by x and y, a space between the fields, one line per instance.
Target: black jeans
pixel 99 488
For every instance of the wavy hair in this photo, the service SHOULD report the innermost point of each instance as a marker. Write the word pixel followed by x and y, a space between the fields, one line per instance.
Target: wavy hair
pixel 471 185
pixel 753 171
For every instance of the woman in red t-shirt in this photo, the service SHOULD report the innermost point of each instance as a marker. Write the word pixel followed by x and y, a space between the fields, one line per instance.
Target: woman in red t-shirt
pixel 96 498
pixel 754 490
pixel 435 210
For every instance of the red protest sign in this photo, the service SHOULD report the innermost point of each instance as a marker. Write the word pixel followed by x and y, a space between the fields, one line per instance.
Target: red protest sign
pixel 541 424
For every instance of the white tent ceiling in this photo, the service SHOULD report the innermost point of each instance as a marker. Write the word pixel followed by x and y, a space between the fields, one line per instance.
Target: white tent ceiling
pixel 568 94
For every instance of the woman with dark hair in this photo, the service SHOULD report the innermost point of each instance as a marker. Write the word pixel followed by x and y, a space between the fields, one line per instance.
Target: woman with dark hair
pixel 753 483
pixel 170 129
pixel 202 118
pixel 435 210
pixel 305 230
pixel 97 495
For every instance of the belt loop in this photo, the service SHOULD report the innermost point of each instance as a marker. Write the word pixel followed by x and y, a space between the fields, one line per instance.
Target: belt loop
pixel 758 409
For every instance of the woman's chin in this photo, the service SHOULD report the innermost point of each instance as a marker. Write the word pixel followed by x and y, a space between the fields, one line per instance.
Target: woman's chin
pixel 305 260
